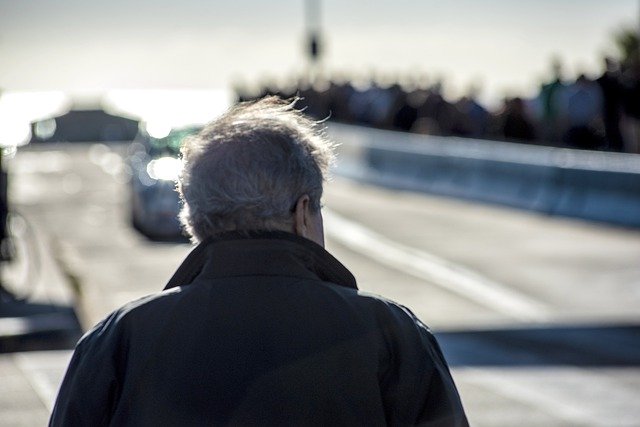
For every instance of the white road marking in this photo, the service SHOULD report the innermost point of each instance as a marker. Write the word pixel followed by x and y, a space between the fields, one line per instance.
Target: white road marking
pixel 423 265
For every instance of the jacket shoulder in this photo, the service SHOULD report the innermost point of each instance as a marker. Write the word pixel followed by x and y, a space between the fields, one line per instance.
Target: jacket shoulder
pixel 113 323
pixel 392 308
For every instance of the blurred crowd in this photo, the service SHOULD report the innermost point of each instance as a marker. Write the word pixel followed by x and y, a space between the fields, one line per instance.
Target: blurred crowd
pixel 588 113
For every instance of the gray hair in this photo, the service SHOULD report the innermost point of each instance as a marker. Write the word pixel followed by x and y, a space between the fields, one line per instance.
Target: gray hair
pixel 247 169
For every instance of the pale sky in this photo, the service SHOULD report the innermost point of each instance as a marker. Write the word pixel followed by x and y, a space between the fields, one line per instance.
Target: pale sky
pixel 78 45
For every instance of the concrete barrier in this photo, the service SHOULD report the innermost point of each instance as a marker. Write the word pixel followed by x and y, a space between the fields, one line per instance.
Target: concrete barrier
pixel 576 183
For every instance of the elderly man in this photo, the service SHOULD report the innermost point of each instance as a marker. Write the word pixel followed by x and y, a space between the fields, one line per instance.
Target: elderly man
pixel 260 325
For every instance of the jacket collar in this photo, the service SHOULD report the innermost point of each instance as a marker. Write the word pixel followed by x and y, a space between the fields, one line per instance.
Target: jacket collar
pixel 275 253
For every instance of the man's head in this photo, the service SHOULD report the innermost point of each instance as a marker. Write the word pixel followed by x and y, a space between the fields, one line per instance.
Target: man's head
pixel 260 166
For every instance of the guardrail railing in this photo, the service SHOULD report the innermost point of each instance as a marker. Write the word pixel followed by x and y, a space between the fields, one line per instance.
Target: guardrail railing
pixel 591 185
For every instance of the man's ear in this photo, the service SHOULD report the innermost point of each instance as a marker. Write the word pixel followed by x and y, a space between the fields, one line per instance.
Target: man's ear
pixel 301 216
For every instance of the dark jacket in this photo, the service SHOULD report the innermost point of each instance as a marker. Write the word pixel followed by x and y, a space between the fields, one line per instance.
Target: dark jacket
pixel 265 330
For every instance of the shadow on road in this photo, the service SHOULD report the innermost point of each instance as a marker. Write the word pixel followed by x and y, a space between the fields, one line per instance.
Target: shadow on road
pixel 28 326
pixel 585 345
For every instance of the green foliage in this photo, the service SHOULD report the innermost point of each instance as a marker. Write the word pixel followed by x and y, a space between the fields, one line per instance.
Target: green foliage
pixel 627 41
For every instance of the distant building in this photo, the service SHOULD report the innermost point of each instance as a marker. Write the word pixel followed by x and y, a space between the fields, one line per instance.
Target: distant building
pixel 83 126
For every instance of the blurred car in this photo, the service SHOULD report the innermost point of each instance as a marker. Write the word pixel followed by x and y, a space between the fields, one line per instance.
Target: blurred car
pixel 155 165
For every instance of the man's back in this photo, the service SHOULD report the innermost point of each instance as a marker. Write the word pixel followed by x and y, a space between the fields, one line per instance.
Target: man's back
pixel 261 338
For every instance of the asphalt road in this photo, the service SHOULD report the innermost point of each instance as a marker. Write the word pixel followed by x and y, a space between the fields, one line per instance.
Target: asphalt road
pixel 539 317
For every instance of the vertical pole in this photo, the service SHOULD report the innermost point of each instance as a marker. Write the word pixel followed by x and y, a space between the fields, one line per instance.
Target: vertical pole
pixel 313 47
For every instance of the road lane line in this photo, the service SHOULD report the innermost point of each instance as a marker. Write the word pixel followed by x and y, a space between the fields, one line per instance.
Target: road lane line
pixel 426 266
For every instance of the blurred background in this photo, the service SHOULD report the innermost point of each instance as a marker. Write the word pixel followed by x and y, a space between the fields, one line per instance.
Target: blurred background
pixel 488 176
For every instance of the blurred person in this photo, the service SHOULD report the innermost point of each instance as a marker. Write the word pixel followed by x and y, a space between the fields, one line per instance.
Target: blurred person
pixel 474 118
pixel 260 325
pixel 612 96
pixel 436 114
pixel 390 97
pixel 631 103
pixel 340 94
pixel 582 105
pixel 316 99
pixel 515 125
pixel 407 110
pixel 362 103
pixel 549 98
pixel 383 103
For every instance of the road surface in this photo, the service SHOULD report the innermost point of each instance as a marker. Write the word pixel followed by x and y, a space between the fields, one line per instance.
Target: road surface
pixel 538 316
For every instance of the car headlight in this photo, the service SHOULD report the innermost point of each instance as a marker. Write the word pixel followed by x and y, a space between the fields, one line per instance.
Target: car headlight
pixel 164 168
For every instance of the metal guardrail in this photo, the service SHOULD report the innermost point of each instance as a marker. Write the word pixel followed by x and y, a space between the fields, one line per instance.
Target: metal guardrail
pixel 576 183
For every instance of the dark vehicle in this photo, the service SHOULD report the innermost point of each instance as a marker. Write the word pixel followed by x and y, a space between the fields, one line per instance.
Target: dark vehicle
pixel 155 166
